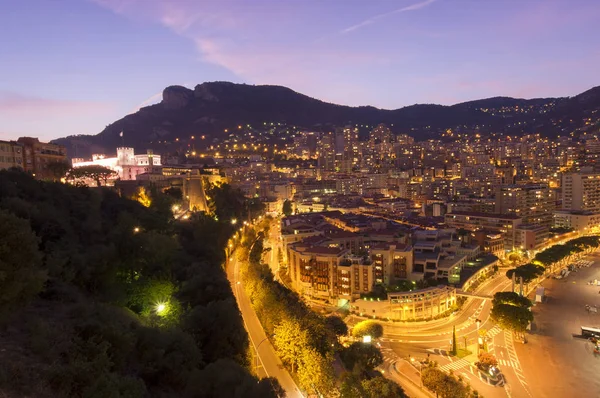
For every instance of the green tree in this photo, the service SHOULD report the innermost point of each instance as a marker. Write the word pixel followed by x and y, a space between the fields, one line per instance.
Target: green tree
pixel 58 170
pixel 98 174
pixel 291 339
pixel 454 348
pixel 361 358
pixel 227 379
pixel 315 372
pixel 368 328
pixel 380 387
pixel 511 298
pixel 528 272
pixel 336 325
pixel 21 277
pixel 443 385
pixel 351 386
pixel 287 208
pixel 510 317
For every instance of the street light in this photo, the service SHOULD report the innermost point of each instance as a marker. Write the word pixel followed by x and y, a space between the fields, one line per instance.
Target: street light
pixel 233 221
pixel 478 322
pixel 412 359
pixel 262 341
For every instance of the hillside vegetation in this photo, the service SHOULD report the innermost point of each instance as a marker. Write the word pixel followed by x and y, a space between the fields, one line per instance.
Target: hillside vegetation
pixel 103 297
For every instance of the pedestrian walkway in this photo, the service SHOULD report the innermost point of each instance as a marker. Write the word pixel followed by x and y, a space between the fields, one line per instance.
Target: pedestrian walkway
pixel 456 365
pixel 505 363
pixel 494 331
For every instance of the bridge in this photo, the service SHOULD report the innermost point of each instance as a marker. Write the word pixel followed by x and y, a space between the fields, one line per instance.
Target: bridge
pixel 473 295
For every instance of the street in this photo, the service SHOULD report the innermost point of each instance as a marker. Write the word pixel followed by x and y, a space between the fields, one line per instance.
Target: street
pixel 269 364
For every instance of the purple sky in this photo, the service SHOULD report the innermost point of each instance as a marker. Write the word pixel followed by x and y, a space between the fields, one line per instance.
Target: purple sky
pixel 74 66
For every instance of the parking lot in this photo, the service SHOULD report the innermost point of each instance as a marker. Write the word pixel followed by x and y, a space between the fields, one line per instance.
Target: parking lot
pixel 556 362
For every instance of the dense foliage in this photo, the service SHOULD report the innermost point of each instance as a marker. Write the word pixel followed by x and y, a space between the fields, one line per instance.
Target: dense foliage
pixel 368 328
pixel 559 253
pixel 301 337
pixel 528 272
pixel 446 385
pixel 511 311
pixel 103 297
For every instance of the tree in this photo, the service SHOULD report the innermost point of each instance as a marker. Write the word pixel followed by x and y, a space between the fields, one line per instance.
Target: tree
pixel 486 361
pixel 442 384
pixel 528 272
pixel 380 387
pixel 368 328
pixel 454 349
pixel 511 317
pixel 291 340
pixel 227 379
pixel 361 358
pixel 351 386
pixel 336 325
pixel 58 170
pixel 97 173
pixel 287 208
pixel 511 298
pixel 315 372
pixel 21 277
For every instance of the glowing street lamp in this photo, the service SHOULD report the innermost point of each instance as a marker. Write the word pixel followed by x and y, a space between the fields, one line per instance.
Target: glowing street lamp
pixel 233 221
pixel 161 309
pixel 136 230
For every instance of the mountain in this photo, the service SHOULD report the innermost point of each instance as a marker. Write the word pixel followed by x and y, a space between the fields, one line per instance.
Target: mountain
pixel 213 107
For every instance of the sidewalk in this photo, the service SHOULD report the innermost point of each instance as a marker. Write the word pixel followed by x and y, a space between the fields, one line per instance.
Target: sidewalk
pixel 411 379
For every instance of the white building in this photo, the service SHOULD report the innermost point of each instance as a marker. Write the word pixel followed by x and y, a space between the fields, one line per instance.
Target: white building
pixel 580 221
pixel 581 191
pixel 126 164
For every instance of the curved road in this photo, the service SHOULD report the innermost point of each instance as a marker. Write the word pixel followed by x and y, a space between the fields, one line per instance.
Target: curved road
pixel 269 361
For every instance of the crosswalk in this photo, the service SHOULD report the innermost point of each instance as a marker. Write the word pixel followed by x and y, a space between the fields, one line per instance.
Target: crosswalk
pixel 493 331
pixel 456 365
pixel 504 363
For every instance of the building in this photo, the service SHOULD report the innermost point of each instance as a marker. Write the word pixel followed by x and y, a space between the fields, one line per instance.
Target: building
pixel 126 164
pixel 530 236
pixel 37 155
pixel 490 241
pixel 11 155
pixel 472 221
pixel 535 203
pixel 328 271
pixel 391 261
pixel 412 305
pixel 581 191
pixel 581 221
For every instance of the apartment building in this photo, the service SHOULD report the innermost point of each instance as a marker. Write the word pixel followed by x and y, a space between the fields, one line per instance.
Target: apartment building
pixel 11 155
pixel 505 224
pixel 580 220
pixel 535 203
pixel 37 155
pixel 581 191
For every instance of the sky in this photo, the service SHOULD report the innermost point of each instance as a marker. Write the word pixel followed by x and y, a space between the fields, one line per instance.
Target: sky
pixel 74 66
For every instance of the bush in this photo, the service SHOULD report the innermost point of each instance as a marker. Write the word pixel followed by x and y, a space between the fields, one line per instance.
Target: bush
pixel 368 328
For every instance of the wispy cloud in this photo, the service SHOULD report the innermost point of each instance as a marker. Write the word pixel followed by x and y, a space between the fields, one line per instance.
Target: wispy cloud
pixel 13 103
pixel 371 20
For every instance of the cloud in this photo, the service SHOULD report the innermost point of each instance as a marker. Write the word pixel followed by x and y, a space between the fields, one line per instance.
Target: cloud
pixel 14 103
pixel 369 21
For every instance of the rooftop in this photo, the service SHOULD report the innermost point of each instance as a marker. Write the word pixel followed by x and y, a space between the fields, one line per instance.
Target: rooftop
pixel 483 215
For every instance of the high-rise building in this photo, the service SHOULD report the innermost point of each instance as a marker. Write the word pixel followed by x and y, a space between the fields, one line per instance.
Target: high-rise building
pixel 581 191
pixel 326 152
pixel 11 155
pixel 37 155
pixel 535 203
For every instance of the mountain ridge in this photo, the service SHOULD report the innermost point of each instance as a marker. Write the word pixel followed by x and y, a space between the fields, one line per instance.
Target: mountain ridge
pixel 213 107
